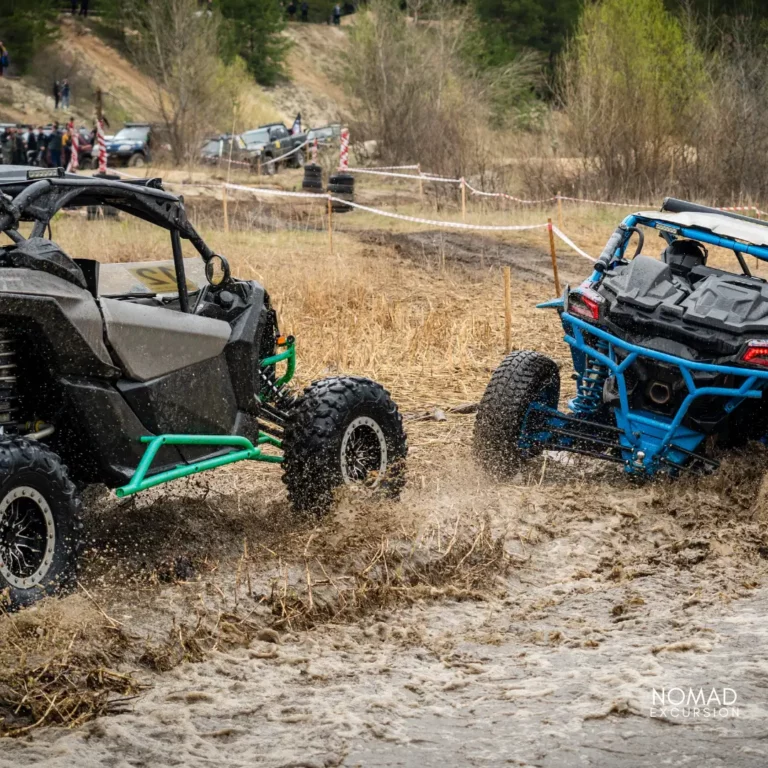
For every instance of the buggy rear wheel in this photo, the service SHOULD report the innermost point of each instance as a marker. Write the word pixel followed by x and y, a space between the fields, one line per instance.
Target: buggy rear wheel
pixel 508 426
pixel 40 526
pixel 343 431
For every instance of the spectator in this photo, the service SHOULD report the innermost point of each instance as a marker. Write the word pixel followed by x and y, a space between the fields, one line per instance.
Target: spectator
pixel 74 7
pixel 337 14
pixel 66 147
pixel 292 10
pixel 19 153
pixel 40 146
pixel 32 147
pixel 54 147
pixel 6 146
pixel 3 58
pixel 84 7
pixel 305 11
pixel 56 94
pixel 65 94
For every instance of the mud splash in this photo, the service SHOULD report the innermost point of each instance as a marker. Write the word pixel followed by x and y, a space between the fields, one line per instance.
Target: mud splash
pixel 614 591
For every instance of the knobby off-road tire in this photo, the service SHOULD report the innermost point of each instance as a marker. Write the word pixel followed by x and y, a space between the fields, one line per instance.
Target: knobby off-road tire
pixel 343 431
pixel 137 161
pixel 40 523
pixel 504 415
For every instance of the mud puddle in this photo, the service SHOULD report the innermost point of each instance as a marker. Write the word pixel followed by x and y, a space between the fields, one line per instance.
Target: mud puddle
pixel 612 591
pixel 475 251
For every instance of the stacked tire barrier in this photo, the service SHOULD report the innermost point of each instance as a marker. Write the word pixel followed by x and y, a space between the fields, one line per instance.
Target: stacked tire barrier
pixel 313 178
pixel 342 185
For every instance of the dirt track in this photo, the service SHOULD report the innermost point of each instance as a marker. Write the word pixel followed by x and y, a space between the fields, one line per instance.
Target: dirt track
pixel 641 589
pixel 606 591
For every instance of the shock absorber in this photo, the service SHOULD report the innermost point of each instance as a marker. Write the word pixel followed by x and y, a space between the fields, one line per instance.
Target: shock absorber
pixel 9 399
pixel 589 388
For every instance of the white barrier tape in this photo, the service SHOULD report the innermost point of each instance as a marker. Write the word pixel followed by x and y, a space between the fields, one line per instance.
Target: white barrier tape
pixel 509 197
pixel 388 214
pixel 567 240
pixel 387 168
pixel 287 154
pixel 433 222
pixel 274 192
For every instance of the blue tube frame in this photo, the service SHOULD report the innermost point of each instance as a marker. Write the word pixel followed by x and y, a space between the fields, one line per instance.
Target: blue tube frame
pixel 636 425
pixel 648 438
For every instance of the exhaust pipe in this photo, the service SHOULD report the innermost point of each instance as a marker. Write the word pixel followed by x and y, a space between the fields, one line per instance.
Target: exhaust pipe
pixel 659 392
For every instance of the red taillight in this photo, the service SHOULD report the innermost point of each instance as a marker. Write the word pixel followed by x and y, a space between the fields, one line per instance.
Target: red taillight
pixel 584 306
pixel 756 353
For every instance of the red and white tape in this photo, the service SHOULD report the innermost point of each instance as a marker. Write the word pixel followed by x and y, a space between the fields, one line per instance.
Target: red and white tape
pixel 102 146
pixel 344 150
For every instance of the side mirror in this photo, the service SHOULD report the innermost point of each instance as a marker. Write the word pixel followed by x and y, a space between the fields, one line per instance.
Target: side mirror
pixel 217 271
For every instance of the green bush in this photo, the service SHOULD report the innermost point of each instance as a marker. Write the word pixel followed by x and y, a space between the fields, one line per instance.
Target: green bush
pixel 25 28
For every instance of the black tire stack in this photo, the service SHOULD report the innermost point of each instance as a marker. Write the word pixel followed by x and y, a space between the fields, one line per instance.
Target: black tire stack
pixel 342 185
pixel 313 178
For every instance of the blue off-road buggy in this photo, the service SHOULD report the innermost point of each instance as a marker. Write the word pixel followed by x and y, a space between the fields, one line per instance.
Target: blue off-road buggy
pixel 670 354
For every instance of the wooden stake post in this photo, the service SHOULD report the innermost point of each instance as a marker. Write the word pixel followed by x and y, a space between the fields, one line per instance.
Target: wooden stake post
pixel 421 186
pixel 559 211
pixel 507 310
pixel 553 254
pixel 229 169
pixel 463 200
pixel 330 226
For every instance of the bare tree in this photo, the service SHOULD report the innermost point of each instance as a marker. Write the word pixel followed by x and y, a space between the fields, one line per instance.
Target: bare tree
pixel 177 46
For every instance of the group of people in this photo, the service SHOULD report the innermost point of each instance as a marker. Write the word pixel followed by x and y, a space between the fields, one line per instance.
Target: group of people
pixel 304 8
pixel 47 148
pixel 61 93
pixel 83 7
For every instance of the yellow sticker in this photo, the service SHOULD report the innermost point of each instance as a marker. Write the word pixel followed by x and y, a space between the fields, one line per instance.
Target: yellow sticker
pixel 160 279
pixel 277 145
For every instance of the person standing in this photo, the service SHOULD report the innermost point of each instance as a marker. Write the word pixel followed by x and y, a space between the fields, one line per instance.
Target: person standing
pixel 337 14
pixel 19 153
pixel 292 10
pixel 54 147
pixel 65 94
pixel 84 8
pixel 56 94
pixel 3 58
pixel 32 147
pixel 305 11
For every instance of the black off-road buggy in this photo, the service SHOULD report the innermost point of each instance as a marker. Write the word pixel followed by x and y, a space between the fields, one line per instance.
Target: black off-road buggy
pixel 134 374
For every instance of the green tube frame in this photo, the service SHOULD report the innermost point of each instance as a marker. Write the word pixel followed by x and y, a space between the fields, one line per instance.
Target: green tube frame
pixel 246 451
pixel 290 356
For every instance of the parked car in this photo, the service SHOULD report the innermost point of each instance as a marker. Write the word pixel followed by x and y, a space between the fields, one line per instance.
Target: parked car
pixel 130 145
pixel 326 136
pixel 218 149
pixel 268 143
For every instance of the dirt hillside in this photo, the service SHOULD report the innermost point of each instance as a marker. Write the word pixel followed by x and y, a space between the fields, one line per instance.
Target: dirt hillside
pixel 88 61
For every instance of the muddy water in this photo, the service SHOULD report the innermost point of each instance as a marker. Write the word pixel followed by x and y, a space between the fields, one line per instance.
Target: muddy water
pixel 615 591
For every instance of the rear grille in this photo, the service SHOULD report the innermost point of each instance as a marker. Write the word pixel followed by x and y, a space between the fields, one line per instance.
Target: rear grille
pixel 9 397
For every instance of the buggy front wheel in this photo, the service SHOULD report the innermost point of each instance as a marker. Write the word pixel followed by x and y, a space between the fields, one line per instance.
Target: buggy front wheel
pixel 40 526
pixel 343 431
pixel 510 426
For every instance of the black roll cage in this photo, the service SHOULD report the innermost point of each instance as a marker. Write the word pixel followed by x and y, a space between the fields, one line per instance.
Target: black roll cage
pixel 39 201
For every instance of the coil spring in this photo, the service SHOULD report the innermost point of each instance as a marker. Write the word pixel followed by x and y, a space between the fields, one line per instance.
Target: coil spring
pixel 8 391
pixel 589 389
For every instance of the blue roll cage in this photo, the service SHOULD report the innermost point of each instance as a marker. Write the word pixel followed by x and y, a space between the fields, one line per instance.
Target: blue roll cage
pixel 649 440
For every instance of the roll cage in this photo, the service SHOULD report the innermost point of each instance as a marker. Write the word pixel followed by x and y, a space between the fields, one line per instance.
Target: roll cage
pixel 679 218
pixel 24 197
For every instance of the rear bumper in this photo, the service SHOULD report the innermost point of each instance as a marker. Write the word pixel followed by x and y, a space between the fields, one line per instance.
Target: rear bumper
pixel 649 441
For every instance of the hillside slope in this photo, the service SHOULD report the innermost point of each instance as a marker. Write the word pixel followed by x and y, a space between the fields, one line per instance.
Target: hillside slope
pixel 83 57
